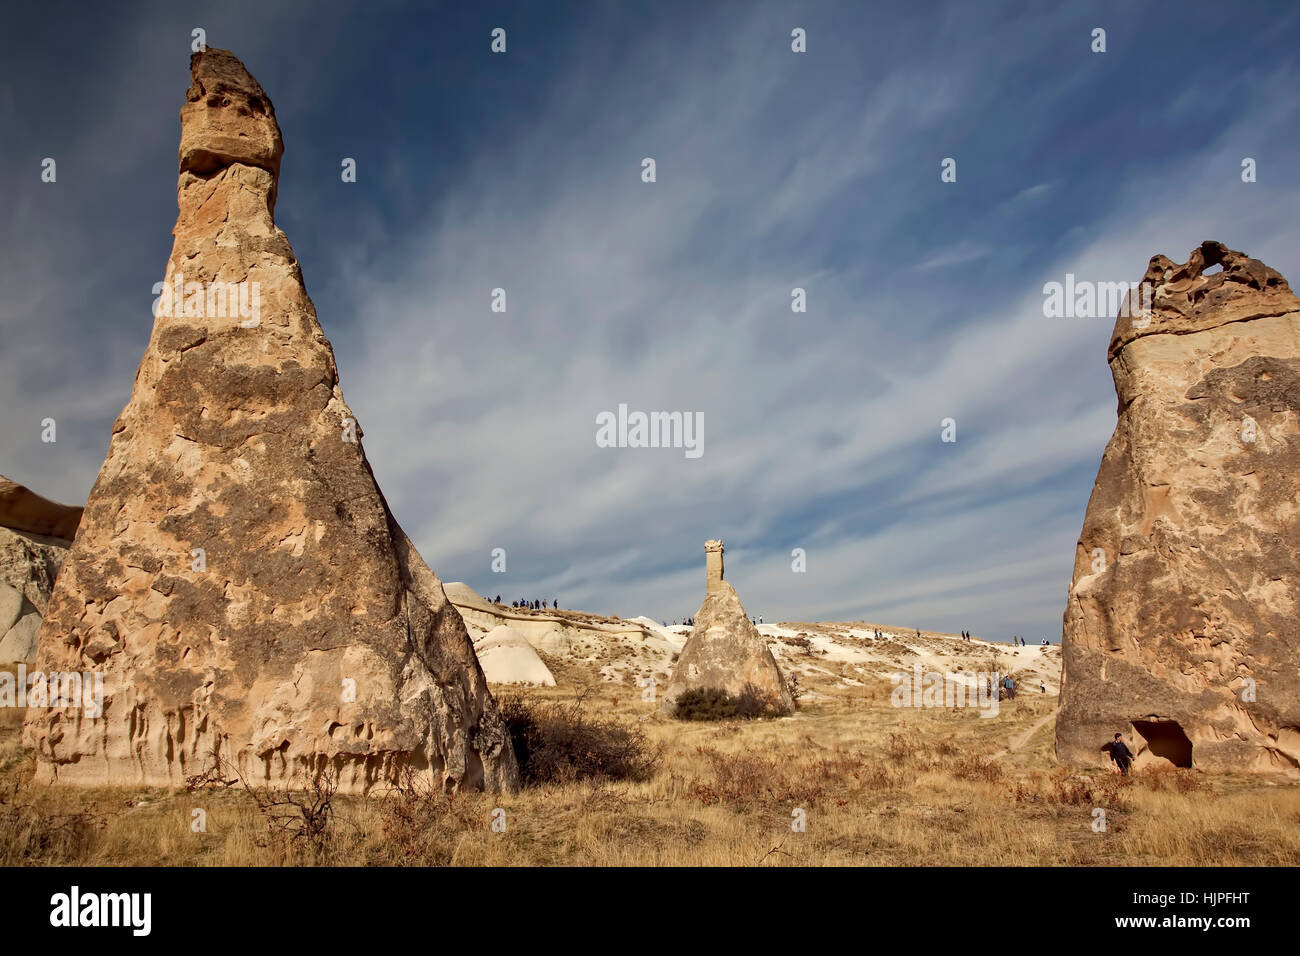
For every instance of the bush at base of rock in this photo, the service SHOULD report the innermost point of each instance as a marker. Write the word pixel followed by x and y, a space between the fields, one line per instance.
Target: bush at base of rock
pixel 712 703
pixel 561 743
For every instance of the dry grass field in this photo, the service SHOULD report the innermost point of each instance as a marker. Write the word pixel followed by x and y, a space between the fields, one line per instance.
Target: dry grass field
pixel 877 786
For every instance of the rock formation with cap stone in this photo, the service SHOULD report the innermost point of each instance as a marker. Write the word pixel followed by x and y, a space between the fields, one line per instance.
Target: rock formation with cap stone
pixel 238 577
pixel 1181 627
pixel 725 651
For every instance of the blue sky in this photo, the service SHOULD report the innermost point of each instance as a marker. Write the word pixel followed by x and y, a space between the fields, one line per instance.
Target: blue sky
pixel 774 170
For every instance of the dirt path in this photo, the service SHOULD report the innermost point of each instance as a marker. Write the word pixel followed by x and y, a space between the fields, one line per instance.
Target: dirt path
pixel 1020 740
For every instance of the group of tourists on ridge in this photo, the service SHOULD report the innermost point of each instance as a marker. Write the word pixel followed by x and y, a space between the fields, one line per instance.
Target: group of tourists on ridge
pixel 533 605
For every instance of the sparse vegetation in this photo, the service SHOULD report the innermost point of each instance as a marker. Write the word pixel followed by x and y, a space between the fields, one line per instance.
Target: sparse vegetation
pixel 880 785
pixel 33 834
pixel 422 824
pixel 711 703
pixel 299 815
pixel 563 742
pixel 794 686
pixel 800 640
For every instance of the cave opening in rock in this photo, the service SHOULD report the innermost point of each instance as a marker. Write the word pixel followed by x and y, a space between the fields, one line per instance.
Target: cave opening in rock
pixel 1165 738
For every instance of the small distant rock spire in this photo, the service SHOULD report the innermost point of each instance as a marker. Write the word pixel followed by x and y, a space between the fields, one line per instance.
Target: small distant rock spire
pixel 725 651
pixel 713 565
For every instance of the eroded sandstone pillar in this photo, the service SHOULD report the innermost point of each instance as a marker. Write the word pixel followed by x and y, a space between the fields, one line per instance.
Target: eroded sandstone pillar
pixel 238 580
pixel 1181 624
pixel 725 651
pixel 712 565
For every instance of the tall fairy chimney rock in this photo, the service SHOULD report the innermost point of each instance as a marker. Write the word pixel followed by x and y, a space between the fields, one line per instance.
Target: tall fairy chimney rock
pixel 237 577
pixel 1180 630
pixel 725 651
pixel 712 565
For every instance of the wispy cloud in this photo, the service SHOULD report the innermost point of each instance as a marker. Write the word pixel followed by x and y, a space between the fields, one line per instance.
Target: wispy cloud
pixel 775 171
pixel 957 255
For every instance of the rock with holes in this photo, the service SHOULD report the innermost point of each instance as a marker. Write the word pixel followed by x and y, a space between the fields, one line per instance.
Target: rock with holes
pixel 1181 626
pixel 725 651
pixel 35 535
pixel 238 578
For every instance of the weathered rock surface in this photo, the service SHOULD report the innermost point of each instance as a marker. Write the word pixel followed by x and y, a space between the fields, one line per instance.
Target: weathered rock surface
pixel 1181 626
pixel 725 650
pixel 238 577
pixel 24 510
pixel 30 558
pixel 507 658
pixel 29 564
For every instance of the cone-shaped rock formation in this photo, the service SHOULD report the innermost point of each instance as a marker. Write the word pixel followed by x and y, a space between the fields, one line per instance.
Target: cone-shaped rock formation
pixel 1180 629
pixel 725 651
pixel 238 577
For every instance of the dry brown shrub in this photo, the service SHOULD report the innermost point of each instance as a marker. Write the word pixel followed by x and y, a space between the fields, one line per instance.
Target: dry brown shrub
pixel 560 742
pixel 421 822
pixel 297 817
pixel 974 767
pixel 713 703
pixel 901 747
pixel 1173 779
pixel 747 781
pixel 33 835
pixel 1064 788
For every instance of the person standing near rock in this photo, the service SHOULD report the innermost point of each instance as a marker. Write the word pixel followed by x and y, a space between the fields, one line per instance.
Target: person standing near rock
pixel 1120 753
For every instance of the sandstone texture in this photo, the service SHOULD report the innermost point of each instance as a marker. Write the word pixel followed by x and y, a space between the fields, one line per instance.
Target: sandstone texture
pixel 1182 629
pixel 507 658
pixel 24 510
pixel 31 553
pixel 238 577
pixel 725 650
